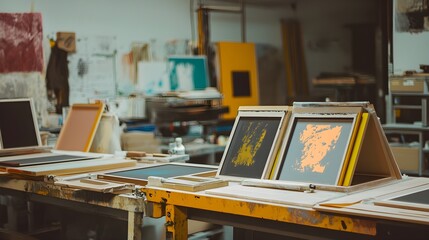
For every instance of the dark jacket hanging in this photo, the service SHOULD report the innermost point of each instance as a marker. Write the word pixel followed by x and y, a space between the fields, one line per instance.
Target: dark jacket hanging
pixel 57 75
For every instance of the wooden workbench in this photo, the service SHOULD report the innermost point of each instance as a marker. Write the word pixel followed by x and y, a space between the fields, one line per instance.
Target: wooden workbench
pixel 289 213
pixel 307 215
pixel 127 207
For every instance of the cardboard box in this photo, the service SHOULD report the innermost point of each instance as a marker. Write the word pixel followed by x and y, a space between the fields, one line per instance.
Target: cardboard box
pixel 408 84
pixel 66 41
pixel 407 157
pixel 140 141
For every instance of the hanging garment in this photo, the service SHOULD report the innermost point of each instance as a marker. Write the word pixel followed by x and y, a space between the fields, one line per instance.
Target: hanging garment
pixel 57 75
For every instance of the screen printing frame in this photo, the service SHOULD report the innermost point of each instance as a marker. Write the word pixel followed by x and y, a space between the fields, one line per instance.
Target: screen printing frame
pixel 143 181
pixel 292 137
pixel 233 147
pixel 392 199
pixel 80 127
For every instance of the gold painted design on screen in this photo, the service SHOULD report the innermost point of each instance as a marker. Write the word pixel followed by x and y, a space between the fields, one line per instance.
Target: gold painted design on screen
pixel 252 141
pixel 318 140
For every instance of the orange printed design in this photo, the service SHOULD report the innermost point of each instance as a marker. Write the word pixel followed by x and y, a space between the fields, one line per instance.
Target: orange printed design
pixel 318 140
pixel 252 141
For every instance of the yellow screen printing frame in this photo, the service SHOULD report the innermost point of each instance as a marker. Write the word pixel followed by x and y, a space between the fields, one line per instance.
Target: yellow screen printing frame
pixel 80 127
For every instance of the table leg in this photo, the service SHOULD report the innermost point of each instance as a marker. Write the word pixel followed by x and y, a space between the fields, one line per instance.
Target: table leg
pixel 135 224
pixel 176 222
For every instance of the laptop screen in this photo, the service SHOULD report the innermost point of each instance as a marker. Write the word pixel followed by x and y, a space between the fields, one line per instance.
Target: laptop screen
pixel 18 125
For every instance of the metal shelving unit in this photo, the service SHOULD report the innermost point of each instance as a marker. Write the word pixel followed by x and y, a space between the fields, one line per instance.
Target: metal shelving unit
pixel 410 96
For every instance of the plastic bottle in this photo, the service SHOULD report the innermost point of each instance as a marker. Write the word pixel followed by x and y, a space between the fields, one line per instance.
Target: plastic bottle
pixel 179 148
pixel 171 148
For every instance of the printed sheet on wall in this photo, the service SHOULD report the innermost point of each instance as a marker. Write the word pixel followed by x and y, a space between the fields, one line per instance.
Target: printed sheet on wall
pixel 21 42
pixel 92 69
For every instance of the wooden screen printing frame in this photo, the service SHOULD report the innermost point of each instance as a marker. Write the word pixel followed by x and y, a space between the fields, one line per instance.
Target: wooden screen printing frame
pixel 143 181
pixel 235 143
pixel 349 119
pixel 391 199
pixel 80 127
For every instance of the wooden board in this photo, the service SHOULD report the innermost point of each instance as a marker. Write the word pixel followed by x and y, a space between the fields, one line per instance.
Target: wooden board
pixel 330 107
pixel 414 198
pixel 301 186
pixel 97 185
pixel 377 191
pixel 187 183
pixel 393 213
pixel 161 158
pixel 295 198
pixel 367 203
pixel 266 108
pixel 72 167
pixel 413 204
pixel 379 212
pixel 80 127
pixel 40 158
pixel 355 152
pixel 376 157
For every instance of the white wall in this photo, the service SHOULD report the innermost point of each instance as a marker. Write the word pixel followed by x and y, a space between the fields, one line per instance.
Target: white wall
pixel 163 20
pixel 409 49
pixel 128 20
pixel 144 20
pixel 262 25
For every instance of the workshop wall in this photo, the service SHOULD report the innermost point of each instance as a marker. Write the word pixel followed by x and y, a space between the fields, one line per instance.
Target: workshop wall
pixel 160 21
pixel 409 51
pixel 327 32
pixel 410 45
pixel 145 20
